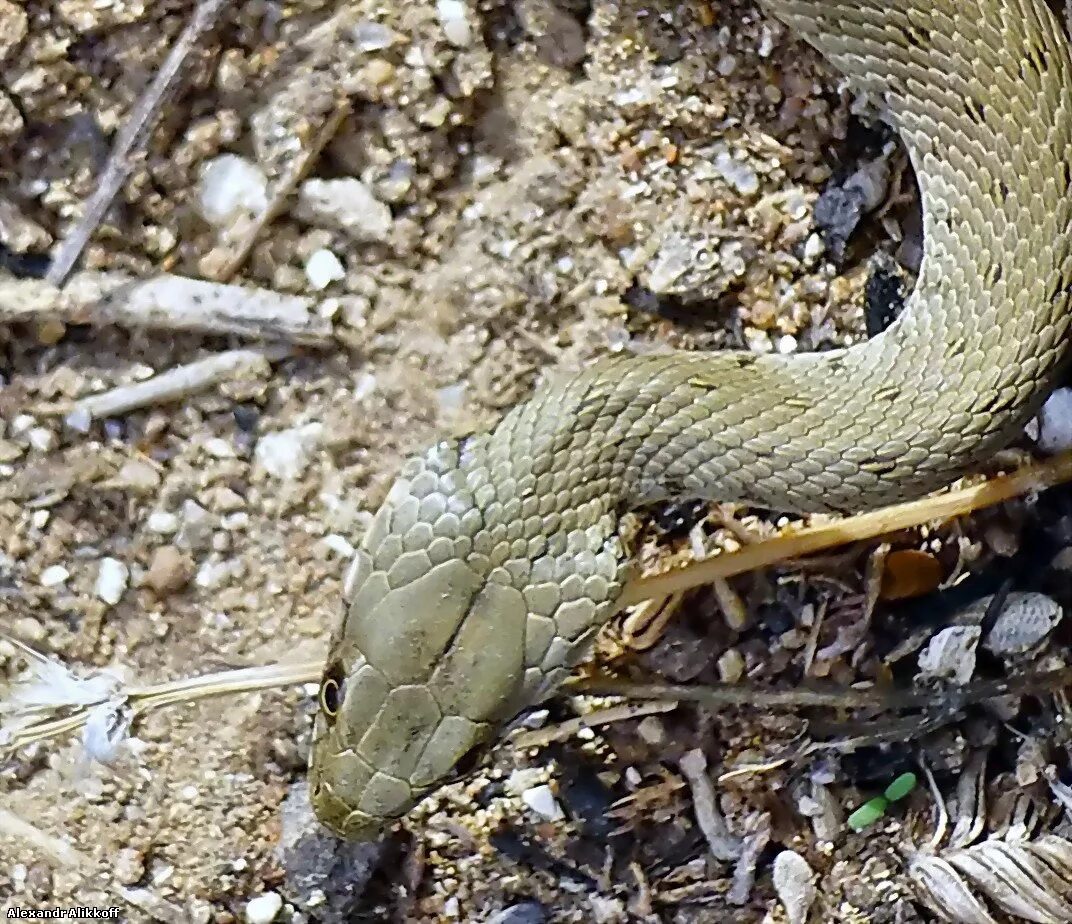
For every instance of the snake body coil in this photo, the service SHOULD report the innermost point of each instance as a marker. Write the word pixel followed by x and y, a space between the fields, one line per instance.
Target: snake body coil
pixel 495 560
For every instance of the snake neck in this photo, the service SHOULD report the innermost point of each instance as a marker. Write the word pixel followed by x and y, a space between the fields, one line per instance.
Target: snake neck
pixel 987 121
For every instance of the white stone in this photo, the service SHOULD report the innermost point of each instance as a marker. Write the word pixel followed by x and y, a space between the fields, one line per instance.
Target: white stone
pixel 355 309
pixel 219 448
pixel 323 268
pixel 364 385
pixel 112 578
pixel 340 545
pixel 347 205
pixel 264 908
pixel 162 522
pixel 454 18
pixel 738 174
pixel 794 883
pixel 54 575
pixel 42 439
pixel 79 420
pixel 543 802
pixel 229 188
pixel 451 398
pixel 950 654
pixel 213 574
pixel 373 36
pixel 286 454
pixel 1054 422
pixel 523 779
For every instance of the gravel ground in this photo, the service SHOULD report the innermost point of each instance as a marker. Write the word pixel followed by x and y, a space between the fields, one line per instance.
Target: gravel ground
pixel 503 188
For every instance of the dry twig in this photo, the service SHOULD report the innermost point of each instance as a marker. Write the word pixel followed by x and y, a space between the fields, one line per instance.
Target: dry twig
pixel 130 142
pixel 174 384
pixel 165 302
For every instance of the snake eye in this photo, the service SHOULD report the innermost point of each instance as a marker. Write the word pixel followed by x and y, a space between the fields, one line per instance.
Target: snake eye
pixel 331 691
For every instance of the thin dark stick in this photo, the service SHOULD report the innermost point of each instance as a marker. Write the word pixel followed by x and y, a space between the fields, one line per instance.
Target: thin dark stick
pixel 803 696
pixel 131 139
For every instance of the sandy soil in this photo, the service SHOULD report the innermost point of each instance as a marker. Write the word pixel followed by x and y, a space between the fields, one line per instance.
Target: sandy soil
pixel 550 181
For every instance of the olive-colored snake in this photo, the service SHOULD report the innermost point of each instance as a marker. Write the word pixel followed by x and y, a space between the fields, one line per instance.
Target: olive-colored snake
pixel 495 559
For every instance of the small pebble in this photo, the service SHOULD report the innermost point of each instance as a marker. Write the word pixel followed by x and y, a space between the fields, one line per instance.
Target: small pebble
pixel 364 385
pixel 355 309
pixel 347 205
pixel 169 570
pixel 162 522
pixel 112 578
pixel 219 448
pixel 813 248
pixel 54 575
pixel 1052 429
pixel 323 268
pixel 543 802
pixel 285 454
pixel 950 655
pixel 229 188
pixel 606 910
pixel 197 526
pixel 522 779
pixel 524 913
pixel 731 666
pixel 42 439
pixel 1026 619
pixel 264 908
pixel 738 174
pixel 452 398
pixel 29 629
pixel 128 866
pixel 138 475
pixel 373 36
pixel 213 574
pixel 79 420
pixel 454 18
pixel 652 730
pixel 794 882
pixel 340 545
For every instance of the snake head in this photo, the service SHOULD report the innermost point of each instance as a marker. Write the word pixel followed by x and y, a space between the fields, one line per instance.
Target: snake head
pixel 462 609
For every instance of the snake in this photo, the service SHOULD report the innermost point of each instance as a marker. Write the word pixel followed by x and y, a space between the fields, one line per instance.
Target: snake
pixel 496 557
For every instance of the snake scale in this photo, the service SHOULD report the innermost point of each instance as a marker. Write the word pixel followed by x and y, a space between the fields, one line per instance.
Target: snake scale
pixel 495 558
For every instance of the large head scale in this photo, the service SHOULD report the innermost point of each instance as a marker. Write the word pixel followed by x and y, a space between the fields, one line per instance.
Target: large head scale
pixel 471 596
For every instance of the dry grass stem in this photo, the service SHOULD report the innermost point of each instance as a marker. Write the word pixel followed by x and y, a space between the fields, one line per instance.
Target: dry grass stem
pixel 804 541
pixel 541 737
